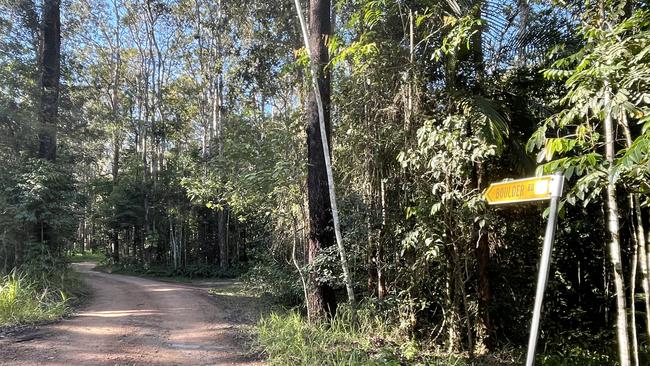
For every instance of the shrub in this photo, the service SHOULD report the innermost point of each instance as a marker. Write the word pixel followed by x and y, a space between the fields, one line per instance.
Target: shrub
pixel 275 280
pixel 22 300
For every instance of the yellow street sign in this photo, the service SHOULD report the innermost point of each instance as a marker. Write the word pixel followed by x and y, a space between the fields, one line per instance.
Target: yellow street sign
pixel 524 190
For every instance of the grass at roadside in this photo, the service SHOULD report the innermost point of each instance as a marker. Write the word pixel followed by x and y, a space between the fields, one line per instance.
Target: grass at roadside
pixel 25 299
pixel 288 339
pixel 231 288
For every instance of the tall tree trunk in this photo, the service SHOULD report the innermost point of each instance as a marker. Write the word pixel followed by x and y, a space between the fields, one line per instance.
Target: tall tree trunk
pixel 217 126
pixel 639 235
pixel 50 64
pixel 371 247
pixel 321 298
pixel 451 313
pixel 633 273
pixel 115 245
pixel 643 261
pixel 115 173
pixel 211 105
pixel 221 239
pixel 117 141
pixel 614 244
pixel 408 114
pixel 83 236
pixel 243 256
pixel 381 278
pixel 484 327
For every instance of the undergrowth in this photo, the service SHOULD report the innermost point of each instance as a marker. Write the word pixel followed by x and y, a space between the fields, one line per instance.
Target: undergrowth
pixel 44 288
pixel 26 300
pixel 190 271
pixel 86 257
pixel 288 339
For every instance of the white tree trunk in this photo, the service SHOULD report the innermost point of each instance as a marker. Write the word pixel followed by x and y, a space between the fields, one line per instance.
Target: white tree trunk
pixel 614 244
pixel 640 243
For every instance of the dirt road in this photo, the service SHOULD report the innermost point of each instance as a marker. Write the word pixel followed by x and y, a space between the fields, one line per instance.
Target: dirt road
pixel 135 321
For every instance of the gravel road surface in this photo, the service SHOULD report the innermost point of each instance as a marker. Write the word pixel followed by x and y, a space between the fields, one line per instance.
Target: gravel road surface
pixel 135 321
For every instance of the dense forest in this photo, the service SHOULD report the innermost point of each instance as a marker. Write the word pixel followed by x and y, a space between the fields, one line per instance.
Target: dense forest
pixel 341 166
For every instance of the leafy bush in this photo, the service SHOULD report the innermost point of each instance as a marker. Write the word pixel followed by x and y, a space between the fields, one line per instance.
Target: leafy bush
pixel 275 280
pixel 578 348
pixel 577 357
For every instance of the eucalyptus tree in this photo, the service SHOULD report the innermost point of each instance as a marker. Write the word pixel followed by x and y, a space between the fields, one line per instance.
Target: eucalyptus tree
pixel 321 299
pixel 207 67
pixel 50 65
pixel 39 185
pixel 100 49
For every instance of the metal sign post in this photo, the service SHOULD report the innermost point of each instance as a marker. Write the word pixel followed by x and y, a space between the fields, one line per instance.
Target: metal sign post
pixel 527 190
pixel 542 279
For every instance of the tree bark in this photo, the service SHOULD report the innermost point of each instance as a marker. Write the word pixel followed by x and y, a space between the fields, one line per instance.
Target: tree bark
pixel 115 174
pixel 633 273
pixel 117 141
pixel 115 246
pixel 484 326
pixel 321 297
pixel 381 278
pixel 50 63
pixel 221 239
pixel 639 236
pixel 217 123
pixel 614 244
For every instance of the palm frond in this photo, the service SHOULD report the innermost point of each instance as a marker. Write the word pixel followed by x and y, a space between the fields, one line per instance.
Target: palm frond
pixel 514 33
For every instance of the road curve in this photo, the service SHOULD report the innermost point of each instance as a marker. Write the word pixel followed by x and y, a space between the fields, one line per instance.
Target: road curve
pixel 134 321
